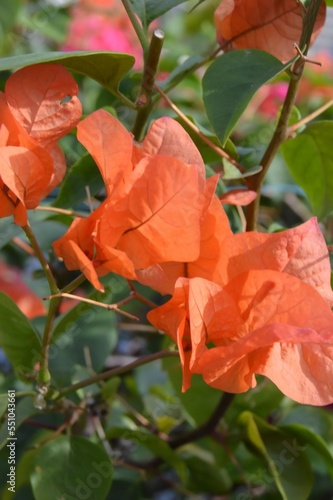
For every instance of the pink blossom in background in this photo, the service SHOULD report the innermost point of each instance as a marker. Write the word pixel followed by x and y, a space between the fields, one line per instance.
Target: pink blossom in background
pixel 102 25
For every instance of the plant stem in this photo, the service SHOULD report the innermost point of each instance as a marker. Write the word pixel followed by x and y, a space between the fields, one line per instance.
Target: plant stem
pixel 255 182
pixel 39 254
pixel 136 25
pixel 208 427
pixel 117 371
pixel 43 376
pixel 144 101
pixel 309 118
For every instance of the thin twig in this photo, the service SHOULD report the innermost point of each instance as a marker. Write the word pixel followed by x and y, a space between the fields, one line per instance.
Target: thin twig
pixel 61 211
pixel 110 307
pixel 309 118
pixel 196 130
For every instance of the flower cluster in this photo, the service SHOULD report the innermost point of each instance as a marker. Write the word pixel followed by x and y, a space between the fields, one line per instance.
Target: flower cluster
pixel 35 114
pixel 242 304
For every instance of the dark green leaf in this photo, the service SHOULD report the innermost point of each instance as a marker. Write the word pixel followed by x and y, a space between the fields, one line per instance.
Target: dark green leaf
pixel 200 400
pixel 306 436
pixel 84 173
pixel 310 161
pixel 206 476
pixel 18 338
pixel 154 444
pixel 25 408
pixel 148 10
pixel 107 68
pixel 230 83
pixel 284 455
pixel 71 468
pixel 83 327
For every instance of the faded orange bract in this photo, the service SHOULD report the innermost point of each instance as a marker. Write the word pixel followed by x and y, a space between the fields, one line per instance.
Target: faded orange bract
pixel 270 25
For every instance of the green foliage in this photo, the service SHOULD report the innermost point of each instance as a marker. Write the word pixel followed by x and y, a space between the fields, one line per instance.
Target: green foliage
pixel 310 161
pixel 71 467
pixel 18 338
pixel 106 68
pixel 231 81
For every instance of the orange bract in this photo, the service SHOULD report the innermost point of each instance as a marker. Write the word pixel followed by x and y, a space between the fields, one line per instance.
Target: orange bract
pixel 261 322
pixel 270 25
pixel 263 301
pixel 155 200
pixel 33 118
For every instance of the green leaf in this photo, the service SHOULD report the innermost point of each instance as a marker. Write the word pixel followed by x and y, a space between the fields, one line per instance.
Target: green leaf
pixel 8 230
pixel 3 404
pixel 307 436
pixel 287 463
pixel 84 173
pixel 107 68
pixel 230 83
pixel 154 444
pixel 206 476
pixel 310 161
pixel 148 10
pixel 25 408
pixel 9 10
pixel 84 327
pixel 18 338
pixel 200 400
pixel 71 468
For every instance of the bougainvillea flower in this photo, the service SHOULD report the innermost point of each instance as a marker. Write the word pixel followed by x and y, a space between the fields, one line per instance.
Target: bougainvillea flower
pixel 155 196
pixel 261 322
pixel 34 115
pixel 102 25
pixel 270 25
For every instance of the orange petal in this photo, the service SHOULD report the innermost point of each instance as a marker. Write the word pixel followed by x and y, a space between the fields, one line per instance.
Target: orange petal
pixel 110 145
pixel 168 138
pixel 160 217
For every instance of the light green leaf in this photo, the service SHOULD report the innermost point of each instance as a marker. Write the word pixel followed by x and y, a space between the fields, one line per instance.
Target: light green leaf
pixel 18 338
pixel 107 68
pixel 310 161
pixel 9 11
pixel 230 83
pixel 71 468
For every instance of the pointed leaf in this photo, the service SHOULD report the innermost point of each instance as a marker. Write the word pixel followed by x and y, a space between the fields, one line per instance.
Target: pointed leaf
pixel 72 468
pixel 18 338
pixel 287 462
pixel 309 158
pixel 148 10
pixel 231 81
pixel 107 68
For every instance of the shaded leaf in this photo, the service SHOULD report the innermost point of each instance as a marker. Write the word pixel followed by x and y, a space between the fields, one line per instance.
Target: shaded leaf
pixel 71 467
pixel 84 173
pixel 309 158
pixel 153 443
pixel 231 81
pixel 257 24
pixel 288 464
pixel 25 408
pixel 18 338
pixel 148 10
